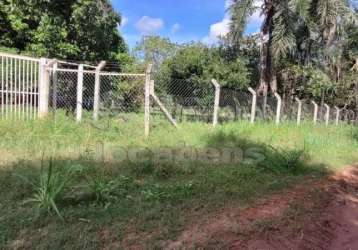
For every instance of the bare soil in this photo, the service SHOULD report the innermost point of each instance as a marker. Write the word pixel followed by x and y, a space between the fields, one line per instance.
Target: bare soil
pixel 312 215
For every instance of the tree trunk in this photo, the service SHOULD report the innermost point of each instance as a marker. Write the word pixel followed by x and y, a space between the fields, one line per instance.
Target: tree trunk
pixel 322 103
pixel 266 61
pixel 356 95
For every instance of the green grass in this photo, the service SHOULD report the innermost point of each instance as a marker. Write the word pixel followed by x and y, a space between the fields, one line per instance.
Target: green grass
pixel 115 203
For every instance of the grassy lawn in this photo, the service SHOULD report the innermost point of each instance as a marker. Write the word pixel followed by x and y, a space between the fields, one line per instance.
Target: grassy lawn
pixel 62 186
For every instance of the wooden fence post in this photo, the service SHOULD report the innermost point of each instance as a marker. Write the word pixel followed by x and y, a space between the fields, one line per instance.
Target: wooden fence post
pixel 278 110
pixel 147 90
pixel 299 111
pixel 338 111
pixel 97 89
pixel 216 101
pixel 315 112
pixel 328 109
pixel 79 93
pixel 253 105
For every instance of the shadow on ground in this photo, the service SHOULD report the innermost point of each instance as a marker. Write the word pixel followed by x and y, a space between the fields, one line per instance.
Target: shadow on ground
pixel 111 204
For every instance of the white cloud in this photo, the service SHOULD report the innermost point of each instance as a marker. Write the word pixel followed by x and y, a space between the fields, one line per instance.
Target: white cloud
pixel 175 28
pixel 125 21
pixel 218 30
pixel 222 28
pixel 149 25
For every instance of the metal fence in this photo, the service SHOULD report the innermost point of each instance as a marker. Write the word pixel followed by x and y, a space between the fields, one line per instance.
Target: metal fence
pixel 186 100
pixel 32 88
pixel 74 92
pixel 19 87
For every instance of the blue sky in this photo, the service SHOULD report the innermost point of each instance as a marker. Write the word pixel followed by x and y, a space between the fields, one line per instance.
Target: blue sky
pixel 180 20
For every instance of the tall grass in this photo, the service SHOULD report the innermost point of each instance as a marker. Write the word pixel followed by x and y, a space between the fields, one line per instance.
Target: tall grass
pixel 99 194
pixel 332 145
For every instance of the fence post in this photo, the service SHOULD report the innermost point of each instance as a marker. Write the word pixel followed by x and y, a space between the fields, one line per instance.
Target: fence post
pixel 79 93
pixel 55 87
pixel 253 105
pixel 327 114
pixel 345 116
pixel 97 88
pixel 44 87
pixel 278 110
pixel 315 113
pixel 216 101
pixel 299 111
pixel 338 111
pixel 147 90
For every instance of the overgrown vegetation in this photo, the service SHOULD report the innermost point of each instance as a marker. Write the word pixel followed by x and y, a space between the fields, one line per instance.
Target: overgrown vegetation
pixel 65 185
pixel 145 201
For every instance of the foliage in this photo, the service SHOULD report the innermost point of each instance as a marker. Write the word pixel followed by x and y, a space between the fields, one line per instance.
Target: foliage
pixel 154 50
pixel 108 191
pixel 317 36
pixel 199 64
pixel 61 29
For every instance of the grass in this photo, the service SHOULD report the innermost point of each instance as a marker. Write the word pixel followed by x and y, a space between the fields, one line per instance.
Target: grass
pixel 116 203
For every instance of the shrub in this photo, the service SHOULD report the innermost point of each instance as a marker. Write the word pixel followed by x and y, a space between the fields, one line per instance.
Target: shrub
pixel 278 159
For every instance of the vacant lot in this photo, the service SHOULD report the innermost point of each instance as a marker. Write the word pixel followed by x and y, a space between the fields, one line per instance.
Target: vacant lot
pixel 64 185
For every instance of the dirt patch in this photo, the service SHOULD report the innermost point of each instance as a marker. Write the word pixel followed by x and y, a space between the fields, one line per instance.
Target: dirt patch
pixel 313 215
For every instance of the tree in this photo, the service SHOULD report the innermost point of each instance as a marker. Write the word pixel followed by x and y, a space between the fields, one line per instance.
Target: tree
pixel 285 23
pixel 199 64
pixel 98 38
pixel 79 30
pixel 155 50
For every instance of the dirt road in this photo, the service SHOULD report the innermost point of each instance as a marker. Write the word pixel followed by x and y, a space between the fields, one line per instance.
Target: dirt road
pixel 312 215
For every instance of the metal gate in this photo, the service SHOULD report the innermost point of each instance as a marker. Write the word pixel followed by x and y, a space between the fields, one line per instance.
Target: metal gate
pixel 19 91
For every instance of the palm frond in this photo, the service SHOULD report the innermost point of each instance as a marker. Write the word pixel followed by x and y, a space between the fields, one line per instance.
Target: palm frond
pixel 283 37
pixel 240 11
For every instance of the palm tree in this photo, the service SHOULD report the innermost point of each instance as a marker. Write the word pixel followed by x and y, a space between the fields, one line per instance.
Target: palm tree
pixel 276 34
pixel 281 32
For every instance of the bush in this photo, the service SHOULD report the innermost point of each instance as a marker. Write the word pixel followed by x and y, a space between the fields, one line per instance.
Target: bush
pixel 278 159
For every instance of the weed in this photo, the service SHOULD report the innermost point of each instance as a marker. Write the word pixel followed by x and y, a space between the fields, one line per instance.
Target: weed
pixel 279 159
pixel 48 189
pixel 165 170
pixel 140 169
pixel 108 191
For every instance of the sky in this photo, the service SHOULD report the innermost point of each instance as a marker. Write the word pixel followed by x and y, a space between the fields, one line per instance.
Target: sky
pixel 180 20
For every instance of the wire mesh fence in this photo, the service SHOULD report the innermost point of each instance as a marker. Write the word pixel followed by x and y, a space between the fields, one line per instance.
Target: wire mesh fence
pixel 234 105
pixel 88 92
pixel 63 89
pixel 121 95
pixel 186 100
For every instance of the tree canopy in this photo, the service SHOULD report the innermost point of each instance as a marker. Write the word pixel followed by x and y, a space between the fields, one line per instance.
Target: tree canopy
pixel 70 29
pixel 307 47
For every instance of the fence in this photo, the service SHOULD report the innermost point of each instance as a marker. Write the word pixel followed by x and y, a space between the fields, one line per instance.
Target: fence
pixel 32 88
pixel 19 89
pixel 95 94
